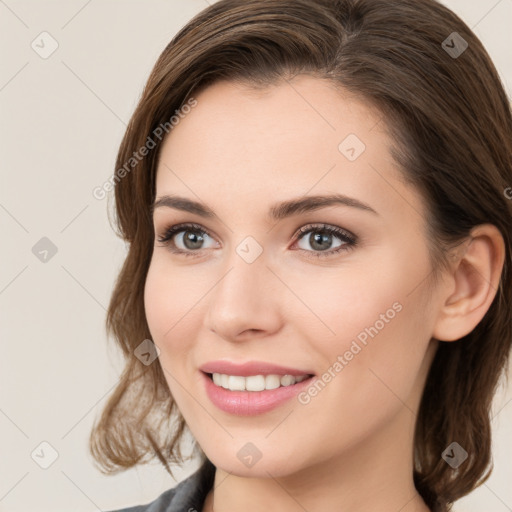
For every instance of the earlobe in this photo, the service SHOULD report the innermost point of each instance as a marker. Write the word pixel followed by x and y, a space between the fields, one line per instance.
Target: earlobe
pixel 473 284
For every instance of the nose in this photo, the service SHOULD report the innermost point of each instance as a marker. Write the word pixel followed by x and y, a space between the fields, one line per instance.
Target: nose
pixel 245 302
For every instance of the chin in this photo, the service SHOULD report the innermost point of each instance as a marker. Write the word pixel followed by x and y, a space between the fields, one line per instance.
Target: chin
pixel 249 462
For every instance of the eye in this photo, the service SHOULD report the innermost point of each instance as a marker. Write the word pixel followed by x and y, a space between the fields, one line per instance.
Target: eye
pixel 321 238
pixel 185 239
pixel 188 239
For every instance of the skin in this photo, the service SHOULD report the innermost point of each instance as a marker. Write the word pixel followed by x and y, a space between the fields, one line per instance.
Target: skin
pixel 239 151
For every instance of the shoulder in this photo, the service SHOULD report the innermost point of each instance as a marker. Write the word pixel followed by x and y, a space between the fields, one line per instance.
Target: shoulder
pixel 188 496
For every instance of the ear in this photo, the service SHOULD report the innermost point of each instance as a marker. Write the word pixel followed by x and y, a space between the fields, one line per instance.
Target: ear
pixel 472 284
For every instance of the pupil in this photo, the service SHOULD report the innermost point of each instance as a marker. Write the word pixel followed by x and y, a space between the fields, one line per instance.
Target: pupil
pixel 318 238
pixel 194 239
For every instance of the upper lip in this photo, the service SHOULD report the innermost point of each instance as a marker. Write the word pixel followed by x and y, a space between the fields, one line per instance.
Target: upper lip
pixel 250 368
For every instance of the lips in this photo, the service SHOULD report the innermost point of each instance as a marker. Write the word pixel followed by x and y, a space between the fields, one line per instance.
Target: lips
pixel 251 368
pixel 248 403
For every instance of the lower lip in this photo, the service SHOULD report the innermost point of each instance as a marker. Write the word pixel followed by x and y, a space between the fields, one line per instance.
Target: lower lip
pixel 249 403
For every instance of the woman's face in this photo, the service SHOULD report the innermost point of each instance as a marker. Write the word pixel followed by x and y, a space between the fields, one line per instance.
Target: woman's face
pixel 350 306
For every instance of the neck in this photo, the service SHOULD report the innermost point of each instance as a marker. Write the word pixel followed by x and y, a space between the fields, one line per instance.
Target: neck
pixel 375 474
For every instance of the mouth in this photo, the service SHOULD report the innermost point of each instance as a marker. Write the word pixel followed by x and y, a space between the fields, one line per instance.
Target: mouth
pixel 255 383
pixel 253 394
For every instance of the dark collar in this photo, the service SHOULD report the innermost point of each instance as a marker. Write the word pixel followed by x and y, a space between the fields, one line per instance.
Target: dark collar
pixel 190 494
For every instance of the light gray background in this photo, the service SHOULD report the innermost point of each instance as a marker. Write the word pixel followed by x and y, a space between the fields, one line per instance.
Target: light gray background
pixel 62 121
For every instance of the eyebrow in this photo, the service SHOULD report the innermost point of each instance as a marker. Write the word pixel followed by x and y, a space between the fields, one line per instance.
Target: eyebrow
pixel 276 212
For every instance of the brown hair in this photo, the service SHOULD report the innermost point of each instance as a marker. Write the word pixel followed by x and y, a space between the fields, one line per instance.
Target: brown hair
pixel 451 122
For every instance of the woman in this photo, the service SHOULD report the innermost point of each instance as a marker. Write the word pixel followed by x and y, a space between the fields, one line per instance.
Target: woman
pixel 318 281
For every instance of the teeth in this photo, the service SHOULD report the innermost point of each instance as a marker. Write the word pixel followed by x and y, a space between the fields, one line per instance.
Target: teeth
pixel 255 382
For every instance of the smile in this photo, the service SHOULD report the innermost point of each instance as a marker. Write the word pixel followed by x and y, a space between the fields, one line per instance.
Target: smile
pixel 256 397
pixel 255 382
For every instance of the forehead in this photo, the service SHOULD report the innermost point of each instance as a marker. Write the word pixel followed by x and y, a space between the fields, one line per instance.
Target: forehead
pixel 280 122
pixel 289 139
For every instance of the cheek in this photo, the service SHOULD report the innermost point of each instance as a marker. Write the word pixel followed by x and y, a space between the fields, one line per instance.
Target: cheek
pixel 365 384
pixel 379 295
pixel 158 301
pixel 369 330
pixel 171 301
pixel 338 304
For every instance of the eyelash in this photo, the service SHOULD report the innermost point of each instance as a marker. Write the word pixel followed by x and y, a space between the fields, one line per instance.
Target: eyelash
pixel 350 241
